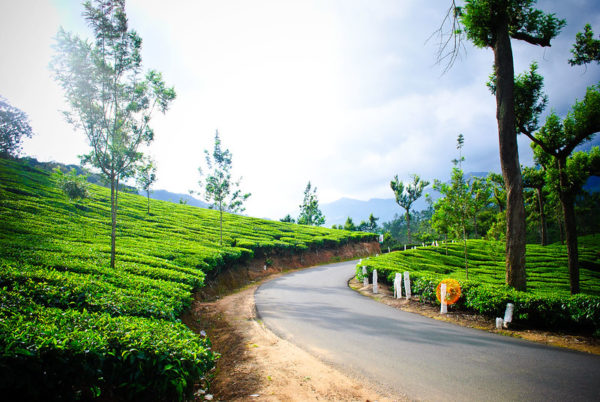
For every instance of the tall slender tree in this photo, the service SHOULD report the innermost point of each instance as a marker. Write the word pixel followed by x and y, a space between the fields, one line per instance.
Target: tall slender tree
pixel 492 24
pixel 310 214
pixel 145 176
pixel 535 179
pixel 407 194
pixel 553 145
pixel 220 191
pixel 109 97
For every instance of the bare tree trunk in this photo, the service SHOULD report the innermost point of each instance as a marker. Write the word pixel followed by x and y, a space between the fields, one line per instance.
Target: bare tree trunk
pixel 509 159
pixel 543 224
pixel 446 242
pixel 114 190
pixel 567 201
pixel 408 225
pixel 221 222
pixel 466 260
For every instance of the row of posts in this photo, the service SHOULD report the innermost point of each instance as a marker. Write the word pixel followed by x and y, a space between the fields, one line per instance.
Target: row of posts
pixel 500 322
pixel 397 283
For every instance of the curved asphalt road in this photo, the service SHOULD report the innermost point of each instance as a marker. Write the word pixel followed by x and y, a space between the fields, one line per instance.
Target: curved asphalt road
pixel 407 354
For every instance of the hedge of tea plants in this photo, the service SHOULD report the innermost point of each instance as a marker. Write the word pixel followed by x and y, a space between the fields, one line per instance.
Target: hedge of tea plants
pixel 547 302
pixel 73 328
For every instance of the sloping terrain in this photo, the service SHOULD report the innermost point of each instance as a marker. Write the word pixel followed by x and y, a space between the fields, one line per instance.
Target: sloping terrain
pixel 73 326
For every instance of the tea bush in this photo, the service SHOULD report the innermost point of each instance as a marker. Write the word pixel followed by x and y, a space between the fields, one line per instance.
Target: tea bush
pixel 73 328
pixel 546 304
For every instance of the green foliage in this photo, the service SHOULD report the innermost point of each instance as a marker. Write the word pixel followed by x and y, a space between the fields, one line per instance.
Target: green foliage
pixel 14 125
pixel 547 304
pixel 110 99
pixel 480 19
pixel 74 186
pixel 407 194
pixel 586 49
pixel 219 190
pixel 288 218
pixel 59 297
pixel 310 214
pixel 145 176
pixel 55 353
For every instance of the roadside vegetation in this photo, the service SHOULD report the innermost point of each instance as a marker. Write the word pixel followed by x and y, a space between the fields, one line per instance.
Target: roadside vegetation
pixel 546 304
pixel 72 325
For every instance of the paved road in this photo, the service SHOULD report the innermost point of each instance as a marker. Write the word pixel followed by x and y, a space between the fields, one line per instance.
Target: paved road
pixel 407 354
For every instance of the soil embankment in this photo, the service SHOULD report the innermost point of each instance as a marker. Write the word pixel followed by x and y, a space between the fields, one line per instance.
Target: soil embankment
pixel 237 276
pixel 255 363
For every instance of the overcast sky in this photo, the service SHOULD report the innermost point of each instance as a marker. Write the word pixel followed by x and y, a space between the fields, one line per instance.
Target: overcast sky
pixel 344 93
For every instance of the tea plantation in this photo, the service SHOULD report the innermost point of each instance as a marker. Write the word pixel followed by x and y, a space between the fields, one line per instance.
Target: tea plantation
pixel 72 328
pixel 547 302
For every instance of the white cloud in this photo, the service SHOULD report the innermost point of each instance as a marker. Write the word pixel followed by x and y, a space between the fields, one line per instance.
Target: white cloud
pixel 342 93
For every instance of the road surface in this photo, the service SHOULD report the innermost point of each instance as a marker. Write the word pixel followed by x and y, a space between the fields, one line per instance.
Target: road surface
pixel 414 356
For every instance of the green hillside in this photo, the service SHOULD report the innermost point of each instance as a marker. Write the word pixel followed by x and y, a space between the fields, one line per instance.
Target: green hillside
pixel 74 326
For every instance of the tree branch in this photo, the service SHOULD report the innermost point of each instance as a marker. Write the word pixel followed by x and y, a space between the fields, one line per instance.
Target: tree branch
pixel 534 40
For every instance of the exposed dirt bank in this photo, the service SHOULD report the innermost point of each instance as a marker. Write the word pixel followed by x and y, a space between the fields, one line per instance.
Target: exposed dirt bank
pixel 256 364
pixel 237 276
pixel 385 295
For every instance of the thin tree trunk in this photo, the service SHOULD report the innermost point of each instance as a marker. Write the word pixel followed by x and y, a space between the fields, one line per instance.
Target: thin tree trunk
pixel 509 158
pixel 114 190
pixel 543 224
pixel 221 222
pixel 408 225
pixel 567 201
pixel 466 260
pixel 446 242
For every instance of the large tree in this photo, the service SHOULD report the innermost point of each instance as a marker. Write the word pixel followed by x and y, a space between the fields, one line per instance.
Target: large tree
pixel 492 24
pixel 553 146
pixel 310 214
pixel 220 190
pixel 109 97
pixel 14 125
pixel 407 194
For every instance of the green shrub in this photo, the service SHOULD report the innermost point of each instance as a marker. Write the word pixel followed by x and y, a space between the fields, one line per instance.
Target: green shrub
pixel 547 305
pixel 50 353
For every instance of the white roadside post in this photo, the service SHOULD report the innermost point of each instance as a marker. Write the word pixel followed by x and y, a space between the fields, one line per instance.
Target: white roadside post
pixel 405 247
pixel 499 323
pixel 508 314
pixel 374 281
pixel 365 276
pixel 407 285
pixel 443 304
pixel 389 251
pixel 398 285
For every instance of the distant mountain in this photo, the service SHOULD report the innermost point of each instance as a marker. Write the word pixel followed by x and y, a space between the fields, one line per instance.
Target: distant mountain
pixel 165 195
pixel 385 209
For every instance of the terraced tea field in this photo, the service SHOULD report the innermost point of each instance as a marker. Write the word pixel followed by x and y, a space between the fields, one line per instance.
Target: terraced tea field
pixel 547 302
pixel 546 266
pixel 114 330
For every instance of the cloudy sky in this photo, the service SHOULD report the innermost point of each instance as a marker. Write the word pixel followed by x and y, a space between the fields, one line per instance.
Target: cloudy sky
pixel 344 93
